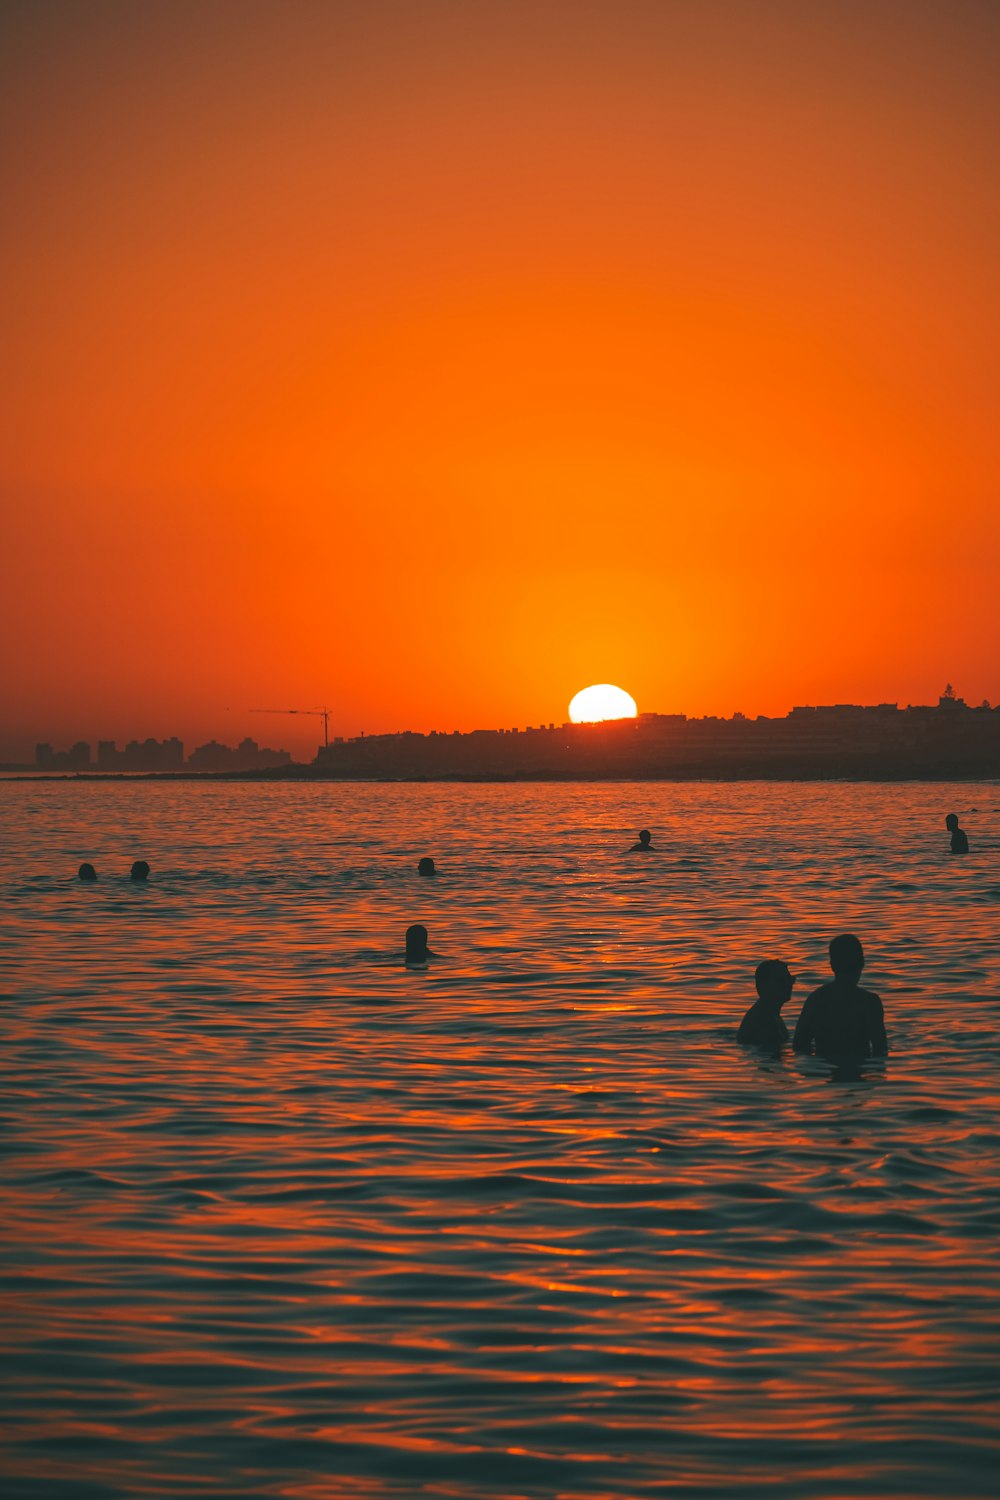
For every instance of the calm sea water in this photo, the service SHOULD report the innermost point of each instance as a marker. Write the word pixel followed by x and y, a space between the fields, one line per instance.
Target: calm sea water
pixel 281 1218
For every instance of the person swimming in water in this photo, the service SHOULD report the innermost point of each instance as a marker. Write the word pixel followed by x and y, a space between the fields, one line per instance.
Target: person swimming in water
pixel 86 872
pixel 417 951
pixel 762 1025
pixel 140 870
pixel 841 1019
pixel 643 846
pixel 959 842
pixel 426 866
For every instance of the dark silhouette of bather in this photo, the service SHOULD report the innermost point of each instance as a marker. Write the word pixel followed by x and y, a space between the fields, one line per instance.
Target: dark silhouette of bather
pixel 959 842
pixel 140 870
pixel 643 846
pixel 426 866
pixel 762 1023
pixel 87 872
pixel 417 951
pixel 841 1019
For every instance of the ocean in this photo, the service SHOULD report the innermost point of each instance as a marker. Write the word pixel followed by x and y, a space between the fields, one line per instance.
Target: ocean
pixel 283 1218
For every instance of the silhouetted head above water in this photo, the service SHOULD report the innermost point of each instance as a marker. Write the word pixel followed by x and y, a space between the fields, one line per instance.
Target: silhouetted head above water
pixel 644 841
pixel 417 951
pixel 87 872
pixel 140 870
pixel 774 981
pixel 426 866
pixel 847 957
pixel 951 822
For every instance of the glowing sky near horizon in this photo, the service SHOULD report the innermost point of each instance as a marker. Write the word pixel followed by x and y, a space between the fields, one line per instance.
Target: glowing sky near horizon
pixel 428 360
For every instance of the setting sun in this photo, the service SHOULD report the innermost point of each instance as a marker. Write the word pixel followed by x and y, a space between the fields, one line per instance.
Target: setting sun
pixel 602 701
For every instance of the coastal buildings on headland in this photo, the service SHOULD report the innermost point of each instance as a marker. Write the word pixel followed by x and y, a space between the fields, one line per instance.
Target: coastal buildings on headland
pixel 248 756
pixel 147 755
pixel 848 740
pixel 880 741
pixel 160 756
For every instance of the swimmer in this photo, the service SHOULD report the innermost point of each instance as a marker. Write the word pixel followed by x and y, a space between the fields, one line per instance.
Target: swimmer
pixel 140 870
pixel 841 1019
pixel 426 866
pixel 959 842
pixel 762 1023
pixel 643 846
pixel 417 951
pixel 87 872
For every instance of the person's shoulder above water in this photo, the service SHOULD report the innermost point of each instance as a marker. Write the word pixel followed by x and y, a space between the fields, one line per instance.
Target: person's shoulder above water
pixel 643 846
pixel 840 992
pixel 761 1027
pixel 841 1020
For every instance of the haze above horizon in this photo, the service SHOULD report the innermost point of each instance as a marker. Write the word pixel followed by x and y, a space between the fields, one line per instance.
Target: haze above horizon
pixel 436 361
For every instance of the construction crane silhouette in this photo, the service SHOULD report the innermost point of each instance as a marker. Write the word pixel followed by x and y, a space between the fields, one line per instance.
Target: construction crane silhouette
pixel 316 713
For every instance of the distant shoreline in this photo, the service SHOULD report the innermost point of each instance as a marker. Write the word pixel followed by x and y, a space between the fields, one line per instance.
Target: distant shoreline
pixel 309 773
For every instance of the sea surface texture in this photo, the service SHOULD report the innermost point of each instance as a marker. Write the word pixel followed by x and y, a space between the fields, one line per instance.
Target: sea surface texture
pixel 283 1218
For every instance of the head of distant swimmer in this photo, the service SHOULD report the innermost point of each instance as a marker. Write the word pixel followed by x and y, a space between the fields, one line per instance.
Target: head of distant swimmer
pixel 951 822
pixel 426 866
pixel 644 836
pixel 140 870
pixel 774 981
pixel 847 957
pixel 416 943
pixel 87 872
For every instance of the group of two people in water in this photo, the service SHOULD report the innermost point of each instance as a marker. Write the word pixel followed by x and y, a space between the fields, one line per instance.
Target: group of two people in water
pixel 840 1019
pixel 139 871
pixel 959 841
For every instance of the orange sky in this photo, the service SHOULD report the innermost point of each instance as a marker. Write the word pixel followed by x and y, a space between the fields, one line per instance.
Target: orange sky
pixel 435 360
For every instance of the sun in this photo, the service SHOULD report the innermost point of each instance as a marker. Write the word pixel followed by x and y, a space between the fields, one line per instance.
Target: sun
pixel 602 701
